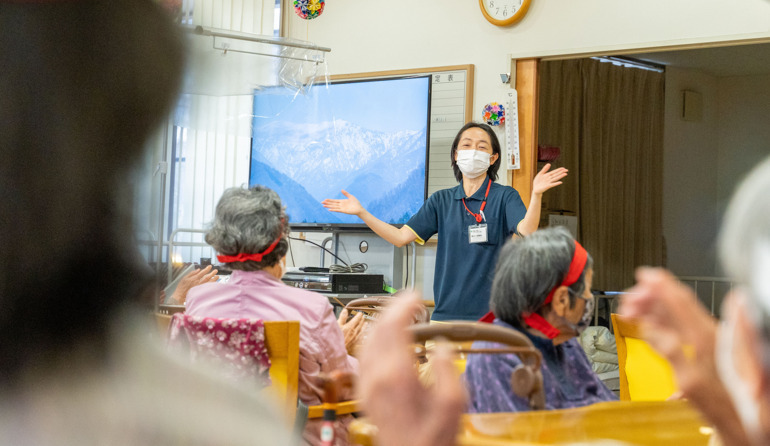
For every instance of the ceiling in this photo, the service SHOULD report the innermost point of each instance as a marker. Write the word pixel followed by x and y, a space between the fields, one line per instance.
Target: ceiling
pixel 742 60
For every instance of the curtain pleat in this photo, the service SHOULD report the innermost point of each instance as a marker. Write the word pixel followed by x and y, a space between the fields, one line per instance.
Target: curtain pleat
pixel 608 122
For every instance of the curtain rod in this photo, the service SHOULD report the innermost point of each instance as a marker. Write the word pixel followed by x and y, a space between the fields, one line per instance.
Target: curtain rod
pixel 638 63
pixel 199 30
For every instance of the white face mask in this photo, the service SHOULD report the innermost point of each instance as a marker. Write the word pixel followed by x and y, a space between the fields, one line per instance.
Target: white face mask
pixel 586 318
pixel 283 266
pixel 473 163
pixel 746 406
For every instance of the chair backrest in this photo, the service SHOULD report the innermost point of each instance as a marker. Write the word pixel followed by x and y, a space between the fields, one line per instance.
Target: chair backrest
pixel 644 374
pixel 373 305
pixel 526 380
pixel 282 342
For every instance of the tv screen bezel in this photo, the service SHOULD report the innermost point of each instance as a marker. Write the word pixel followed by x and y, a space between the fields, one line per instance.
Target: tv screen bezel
pixel 361 227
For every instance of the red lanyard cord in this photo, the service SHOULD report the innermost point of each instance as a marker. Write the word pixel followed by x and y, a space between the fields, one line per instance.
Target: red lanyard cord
pixel 478 216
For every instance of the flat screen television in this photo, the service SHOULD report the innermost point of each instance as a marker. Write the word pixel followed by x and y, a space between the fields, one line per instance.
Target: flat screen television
pixel 368 137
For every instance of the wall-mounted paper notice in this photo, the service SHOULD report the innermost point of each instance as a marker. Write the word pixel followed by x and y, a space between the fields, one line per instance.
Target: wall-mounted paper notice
pixel 512 132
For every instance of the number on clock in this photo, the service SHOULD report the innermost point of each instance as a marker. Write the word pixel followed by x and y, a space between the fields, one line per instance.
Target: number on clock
pixel 504 12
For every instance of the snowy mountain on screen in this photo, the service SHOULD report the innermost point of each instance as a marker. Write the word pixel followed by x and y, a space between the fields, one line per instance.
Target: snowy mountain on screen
pixel 322 159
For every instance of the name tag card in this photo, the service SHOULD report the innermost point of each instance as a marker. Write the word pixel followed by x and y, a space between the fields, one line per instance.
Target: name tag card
pixel 477 233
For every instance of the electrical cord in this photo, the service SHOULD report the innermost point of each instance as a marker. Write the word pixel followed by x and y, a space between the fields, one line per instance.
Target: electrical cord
pixel 316 244
pixel 291 252
pixel 354 268
pixel 406 280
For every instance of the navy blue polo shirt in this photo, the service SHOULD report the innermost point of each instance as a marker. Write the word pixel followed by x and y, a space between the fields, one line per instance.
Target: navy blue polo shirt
pixel 464 271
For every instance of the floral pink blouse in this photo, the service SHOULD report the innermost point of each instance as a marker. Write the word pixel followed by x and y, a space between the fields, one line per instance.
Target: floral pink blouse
pixel 259 295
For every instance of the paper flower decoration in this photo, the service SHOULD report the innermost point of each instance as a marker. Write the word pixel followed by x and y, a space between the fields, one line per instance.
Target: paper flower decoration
pixel 309 9
pixel 494 114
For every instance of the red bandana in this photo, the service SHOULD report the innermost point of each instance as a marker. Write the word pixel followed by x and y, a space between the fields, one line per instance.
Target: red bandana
pixel 246 257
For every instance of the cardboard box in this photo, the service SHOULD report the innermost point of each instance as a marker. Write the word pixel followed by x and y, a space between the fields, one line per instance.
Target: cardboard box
pixel 564 219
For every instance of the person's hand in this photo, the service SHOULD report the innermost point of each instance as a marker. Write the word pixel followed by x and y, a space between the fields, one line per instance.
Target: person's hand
pixel 391 395
pixel 547 178
pixel 349 205
pixel 678 327
pixel 192 279
pixel 351 329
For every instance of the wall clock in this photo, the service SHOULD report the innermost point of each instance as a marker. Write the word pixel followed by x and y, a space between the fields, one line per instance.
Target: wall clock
pixel 504 12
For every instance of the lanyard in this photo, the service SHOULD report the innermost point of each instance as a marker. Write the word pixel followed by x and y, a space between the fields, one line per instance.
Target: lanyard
pixel 483 203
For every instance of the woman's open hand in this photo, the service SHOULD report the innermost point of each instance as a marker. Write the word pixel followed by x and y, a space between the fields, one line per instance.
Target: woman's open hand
pixel 349 205
pixel 192 279
pixel 547 179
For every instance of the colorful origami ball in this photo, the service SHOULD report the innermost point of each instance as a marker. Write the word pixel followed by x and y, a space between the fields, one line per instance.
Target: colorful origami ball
pixel 493 114
pixel 309 9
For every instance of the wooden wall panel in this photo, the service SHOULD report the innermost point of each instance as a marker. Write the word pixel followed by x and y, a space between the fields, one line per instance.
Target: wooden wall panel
pixel 527 88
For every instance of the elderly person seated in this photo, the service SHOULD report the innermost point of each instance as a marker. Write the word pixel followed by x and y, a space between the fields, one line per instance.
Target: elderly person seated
pixel 542 288
pixel 250 232
pixel 725 371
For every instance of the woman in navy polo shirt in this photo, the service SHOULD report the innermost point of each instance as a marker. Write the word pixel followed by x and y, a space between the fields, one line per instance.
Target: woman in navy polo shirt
pixel 473 219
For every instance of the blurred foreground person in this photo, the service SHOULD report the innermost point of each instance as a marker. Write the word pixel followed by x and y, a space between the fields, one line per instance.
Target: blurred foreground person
pixel 84 84
pixel 405 412
pixel 725 368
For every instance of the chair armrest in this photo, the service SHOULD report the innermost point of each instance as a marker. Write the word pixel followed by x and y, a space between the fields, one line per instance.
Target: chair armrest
pixel 342 408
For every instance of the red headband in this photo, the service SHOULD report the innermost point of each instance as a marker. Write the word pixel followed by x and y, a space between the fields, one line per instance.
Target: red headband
pixel 576 268
pixel 246 257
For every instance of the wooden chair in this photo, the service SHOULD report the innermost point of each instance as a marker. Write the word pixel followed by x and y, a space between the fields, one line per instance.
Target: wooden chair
pixel 644 374
pixel 162 322
pixel 342 408
pixel 373 305
pixel 282 342
pixel 526 380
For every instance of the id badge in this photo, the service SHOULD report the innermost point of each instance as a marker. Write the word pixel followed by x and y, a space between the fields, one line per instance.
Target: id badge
pixel 477 233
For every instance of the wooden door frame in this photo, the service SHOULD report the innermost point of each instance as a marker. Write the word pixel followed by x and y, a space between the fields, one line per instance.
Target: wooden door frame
pixel 526 85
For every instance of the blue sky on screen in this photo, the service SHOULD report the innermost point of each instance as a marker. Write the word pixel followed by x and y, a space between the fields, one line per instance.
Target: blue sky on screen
pixel 405 97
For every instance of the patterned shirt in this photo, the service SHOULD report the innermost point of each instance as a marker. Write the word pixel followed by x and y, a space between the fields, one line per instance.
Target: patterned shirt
pixel 568 378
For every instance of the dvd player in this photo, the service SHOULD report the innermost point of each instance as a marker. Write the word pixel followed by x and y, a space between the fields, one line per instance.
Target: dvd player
pixel 335 282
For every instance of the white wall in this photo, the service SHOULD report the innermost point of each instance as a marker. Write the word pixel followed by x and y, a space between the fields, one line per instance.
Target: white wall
pixel 744 130
pixel 704 161
pixel 690 166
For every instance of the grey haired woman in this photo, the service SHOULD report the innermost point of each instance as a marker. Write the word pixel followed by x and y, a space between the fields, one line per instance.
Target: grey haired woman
pixel 250 232
pixel 542 288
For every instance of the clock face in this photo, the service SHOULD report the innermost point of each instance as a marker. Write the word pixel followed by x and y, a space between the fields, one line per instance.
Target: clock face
pixel 504 12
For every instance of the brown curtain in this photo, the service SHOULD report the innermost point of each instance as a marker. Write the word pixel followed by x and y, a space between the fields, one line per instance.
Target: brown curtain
pixel 608 122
